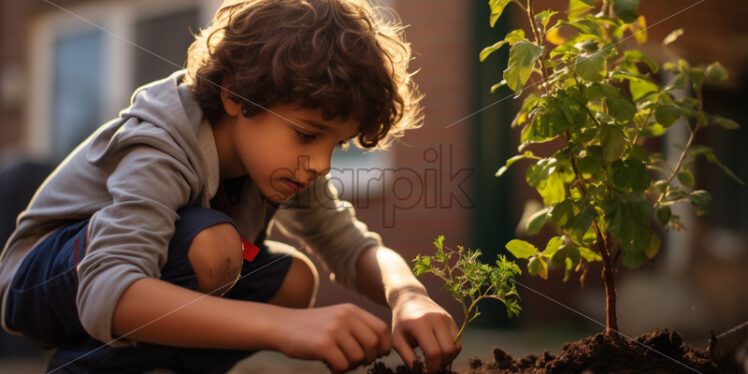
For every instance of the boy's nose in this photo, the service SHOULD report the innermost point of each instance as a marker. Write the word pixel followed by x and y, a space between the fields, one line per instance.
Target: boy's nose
pixel 311 167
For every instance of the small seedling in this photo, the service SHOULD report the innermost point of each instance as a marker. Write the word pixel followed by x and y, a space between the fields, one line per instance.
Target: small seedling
pixel 469 281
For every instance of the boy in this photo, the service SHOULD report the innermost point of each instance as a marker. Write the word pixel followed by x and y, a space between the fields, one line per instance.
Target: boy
pixel 146 247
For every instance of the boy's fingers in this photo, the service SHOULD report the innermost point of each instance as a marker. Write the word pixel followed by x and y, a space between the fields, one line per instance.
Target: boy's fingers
pixel 404 349
pixel 380 328
pixel 453 331
pixel 335 359
pixel 430 346
pixel 367 339
pixel 352 349
pixel 448 348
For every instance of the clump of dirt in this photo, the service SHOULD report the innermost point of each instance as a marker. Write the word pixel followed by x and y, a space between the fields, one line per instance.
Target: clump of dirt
pixel 666 353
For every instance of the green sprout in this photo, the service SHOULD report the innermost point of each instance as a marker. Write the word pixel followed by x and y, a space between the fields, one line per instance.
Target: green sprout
pixel 470 281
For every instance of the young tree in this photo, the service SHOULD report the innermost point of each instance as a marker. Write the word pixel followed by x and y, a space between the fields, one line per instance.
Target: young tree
pixel 595 97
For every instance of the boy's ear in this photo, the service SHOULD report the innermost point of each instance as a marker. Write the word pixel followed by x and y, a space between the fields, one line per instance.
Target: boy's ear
pixel 232 108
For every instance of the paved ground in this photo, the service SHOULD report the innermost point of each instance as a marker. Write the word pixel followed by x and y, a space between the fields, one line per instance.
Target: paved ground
pixel 475 343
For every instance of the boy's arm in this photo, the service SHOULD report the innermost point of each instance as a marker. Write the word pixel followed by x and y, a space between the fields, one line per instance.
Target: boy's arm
pixel 383 276
pixel 155 311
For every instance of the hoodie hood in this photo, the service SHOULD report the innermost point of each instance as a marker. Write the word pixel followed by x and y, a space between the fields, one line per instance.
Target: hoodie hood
pixel 163 114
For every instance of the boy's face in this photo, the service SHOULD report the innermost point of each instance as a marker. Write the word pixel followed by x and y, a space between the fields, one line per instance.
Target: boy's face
pixel 283 150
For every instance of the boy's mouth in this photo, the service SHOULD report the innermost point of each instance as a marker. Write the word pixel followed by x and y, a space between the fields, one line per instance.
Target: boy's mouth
pixel 294 185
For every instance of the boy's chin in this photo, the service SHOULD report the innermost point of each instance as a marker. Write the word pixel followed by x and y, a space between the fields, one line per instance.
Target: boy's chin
pixel 279 197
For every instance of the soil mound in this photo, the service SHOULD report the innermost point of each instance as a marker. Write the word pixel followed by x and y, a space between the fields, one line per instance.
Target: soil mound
pixel 662 351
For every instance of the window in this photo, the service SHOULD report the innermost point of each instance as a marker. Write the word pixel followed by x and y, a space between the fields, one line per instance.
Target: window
pixel 169 36
pixel 730 200
pixel 76 97
pixel 85 66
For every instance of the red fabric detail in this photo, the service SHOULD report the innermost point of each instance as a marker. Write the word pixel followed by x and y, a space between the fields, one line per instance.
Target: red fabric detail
pixel 76 250
pixel 249 250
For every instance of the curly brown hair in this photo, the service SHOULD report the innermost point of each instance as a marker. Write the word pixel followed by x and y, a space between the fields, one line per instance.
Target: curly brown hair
pixel 340 56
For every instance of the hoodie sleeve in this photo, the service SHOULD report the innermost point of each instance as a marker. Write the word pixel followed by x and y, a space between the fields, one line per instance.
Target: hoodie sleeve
pixel 329 227
pixel 129 239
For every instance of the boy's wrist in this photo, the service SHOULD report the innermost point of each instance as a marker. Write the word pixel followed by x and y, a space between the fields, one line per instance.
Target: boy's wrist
pixel 265 328
pixel 401 294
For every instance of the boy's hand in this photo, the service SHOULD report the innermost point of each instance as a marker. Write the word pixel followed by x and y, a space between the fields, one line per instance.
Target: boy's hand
pixel 343 336
pixel 419 321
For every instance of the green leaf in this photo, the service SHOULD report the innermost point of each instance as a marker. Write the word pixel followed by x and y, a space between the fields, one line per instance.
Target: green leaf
pixel 521 248
pixel 638 56
pixel 567 269
pixel 577 9
pixel 540 171
pixel 702 200
pixel 562 212
pixel 545 16
pixel 558 257
pixel 619 106
pixel 667 114
pixel 716 72
pixel 592 162
pixel 654 246
pixel 630 174
pixel 572 253
pixel 565 50
pixel 422 265
pixel 509 162
pixel 591 67
pixel 531 101
pixel 515 36
pixel 726 123
pixel 626 10
pixel 490 49
pixel 613 143
pixel 586 27
pixel 642 89
pixel 663 214
pixel 588 255
pixel 552 189
pixel 580 223
pixel 439 243
pixel 628 221
pixel 672 37
pixel 522 58
pixel 698 150
pixel 652 131
pixel 537 221
pixel 573 105
pixel 554 244
pixel 634 259
pixel 497 85
pixel 686 178
pixel 497 7
pixel 537 266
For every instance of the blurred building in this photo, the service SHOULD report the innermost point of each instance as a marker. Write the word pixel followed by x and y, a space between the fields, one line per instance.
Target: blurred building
pixel 66 66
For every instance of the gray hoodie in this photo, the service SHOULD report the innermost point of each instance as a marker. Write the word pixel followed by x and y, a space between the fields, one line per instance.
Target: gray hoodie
pixel 132 175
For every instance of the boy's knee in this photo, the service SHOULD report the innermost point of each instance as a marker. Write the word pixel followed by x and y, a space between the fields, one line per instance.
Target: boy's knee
pixel 216 257
pixel 299 288
pixel 309 280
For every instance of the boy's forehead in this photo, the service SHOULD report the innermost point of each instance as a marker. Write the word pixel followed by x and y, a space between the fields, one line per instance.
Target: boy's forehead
pixel 314 119
pixel 347 129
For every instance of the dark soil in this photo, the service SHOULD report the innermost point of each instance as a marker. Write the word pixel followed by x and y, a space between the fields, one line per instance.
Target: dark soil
pixel 593 355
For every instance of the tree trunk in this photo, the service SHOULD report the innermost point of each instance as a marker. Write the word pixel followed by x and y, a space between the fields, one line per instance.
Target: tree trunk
pixel 611 322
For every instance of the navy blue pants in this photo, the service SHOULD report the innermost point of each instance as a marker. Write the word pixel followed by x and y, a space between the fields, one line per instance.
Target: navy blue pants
pixel 41 302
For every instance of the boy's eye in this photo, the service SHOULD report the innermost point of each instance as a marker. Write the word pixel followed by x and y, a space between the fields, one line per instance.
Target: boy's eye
pixel 304 137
